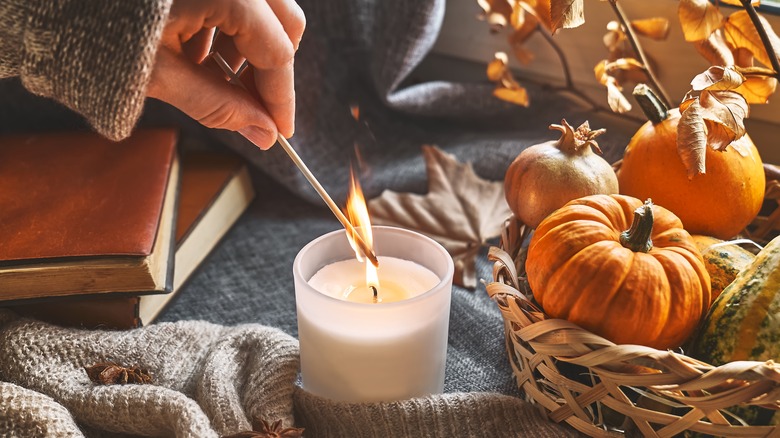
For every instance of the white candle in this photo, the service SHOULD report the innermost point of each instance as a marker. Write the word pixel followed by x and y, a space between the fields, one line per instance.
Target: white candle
pixel 398 280
pixel 356 350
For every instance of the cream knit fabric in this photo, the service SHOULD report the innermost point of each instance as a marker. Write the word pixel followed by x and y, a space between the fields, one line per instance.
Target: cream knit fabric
pixel 209 381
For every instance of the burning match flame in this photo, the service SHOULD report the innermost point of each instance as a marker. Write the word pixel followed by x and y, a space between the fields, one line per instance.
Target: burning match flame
pixel 357 212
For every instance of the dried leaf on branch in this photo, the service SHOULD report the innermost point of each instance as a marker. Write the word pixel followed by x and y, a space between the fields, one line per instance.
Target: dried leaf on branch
pixel 524 24
pixel 692 138
pixel 540 9
pixel 717 78
pixel 507 88
pixel 727 110
pixel 566 14
pixel 715 49
pixel 714 117
pixel 656 28
pixel 615 40
pixel 738 2
pixel 461 211
pixel 721 104
pixel 740 33
pixel 607 73
pixel 495 12
pixel 699 18
pixel 759 84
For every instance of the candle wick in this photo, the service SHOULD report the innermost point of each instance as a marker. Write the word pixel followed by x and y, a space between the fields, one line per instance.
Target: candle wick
pixel 376 292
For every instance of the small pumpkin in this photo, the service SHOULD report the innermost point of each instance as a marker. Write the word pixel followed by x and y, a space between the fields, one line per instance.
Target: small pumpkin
pixel 743 324
pixel 723 261
pixel 622 269
pixel 720 202
pixel 546 176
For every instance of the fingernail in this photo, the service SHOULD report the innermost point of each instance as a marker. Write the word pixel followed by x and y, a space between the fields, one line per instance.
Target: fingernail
pixel 260 137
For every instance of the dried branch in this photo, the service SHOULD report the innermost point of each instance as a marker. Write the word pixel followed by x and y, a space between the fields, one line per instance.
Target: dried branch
pixel 569 86
pixel 770 51
pixel 631 35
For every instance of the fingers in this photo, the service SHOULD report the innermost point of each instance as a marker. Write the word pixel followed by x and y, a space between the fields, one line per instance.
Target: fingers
pixel 264 32
pixel 207 98
pixel 279 24
pixel 199 45
pixel 224 45
pixel 291 16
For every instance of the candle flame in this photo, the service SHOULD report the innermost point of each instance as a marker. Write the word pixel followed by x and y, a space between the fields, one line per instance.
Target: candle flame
pixel 357 213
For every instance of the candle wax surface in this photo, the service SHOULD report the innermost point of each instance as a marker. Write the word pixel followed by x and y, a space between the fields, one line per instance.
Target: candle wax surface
pixel 398 280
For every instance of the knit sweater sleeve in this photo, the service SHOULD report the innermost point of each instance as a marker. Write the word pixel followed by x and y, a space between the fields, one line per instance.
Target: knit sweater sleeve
pixel 93 56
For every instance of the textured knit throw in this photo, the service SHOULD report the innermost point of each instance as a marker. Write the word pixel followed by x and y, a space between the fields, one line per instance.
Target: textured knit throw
pixel 209 381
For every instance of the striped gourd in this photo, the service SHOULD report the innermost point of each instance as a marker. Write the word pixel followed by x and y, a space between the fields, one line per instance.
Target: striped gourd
pixel 723 263
pixel 744 322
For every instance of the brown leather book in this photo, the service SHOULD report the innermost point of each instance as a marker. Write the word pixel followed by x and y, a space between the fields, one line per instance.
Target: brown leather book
pixel 215 190
pixel 80 214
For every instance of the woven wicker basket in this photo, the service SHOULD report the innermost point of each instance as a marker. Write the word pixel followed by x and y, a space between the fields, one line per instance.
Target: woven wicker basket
pixel 603 389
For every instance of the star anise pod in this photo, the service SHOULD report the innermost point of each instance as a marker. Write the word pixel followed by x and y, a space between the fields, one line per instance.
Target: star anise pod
pixel 264 429
pixel 110 373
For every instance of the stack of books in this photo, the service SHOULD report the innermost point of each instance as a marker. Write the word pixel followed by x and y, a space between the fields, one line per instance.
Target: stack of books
pixel 101 234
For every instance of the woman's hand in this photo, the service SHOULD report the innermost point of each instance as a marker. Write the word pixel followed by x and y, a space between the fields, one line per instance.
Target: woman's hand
pixel 264 32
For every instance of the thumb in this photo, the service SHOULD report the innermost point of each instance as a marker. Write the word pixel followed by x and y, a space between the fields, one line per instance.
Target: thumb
pixel 208 98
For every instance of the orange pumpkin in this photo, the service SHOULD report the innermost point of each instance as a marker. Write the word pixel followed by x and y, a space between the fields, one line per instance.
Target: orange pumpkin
pixel 622 269
pixel 720 202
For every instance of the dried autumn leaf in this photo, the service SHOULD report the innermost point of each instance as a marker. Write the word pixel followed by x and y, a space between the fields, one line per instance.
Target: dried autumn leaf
pixel 626 69
pixel 525 26
pixel 757 89
pixel 656 28
pixel 740 33
pixel 615 98
pixel 600 71
pixel 715 50
pixel 566 14
pixel 699 18
pixel 692 138
pixel 522 54
pixel 496 12
pixel 507 88
pixel 738 2
pixel 461 211
pixel 717 78
pixel 742 145
pixel 615 40
pixel 539 9
pixel 517 96
pixel 727 109
pixel 742 57
pixel 517 19
pixel 497 68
